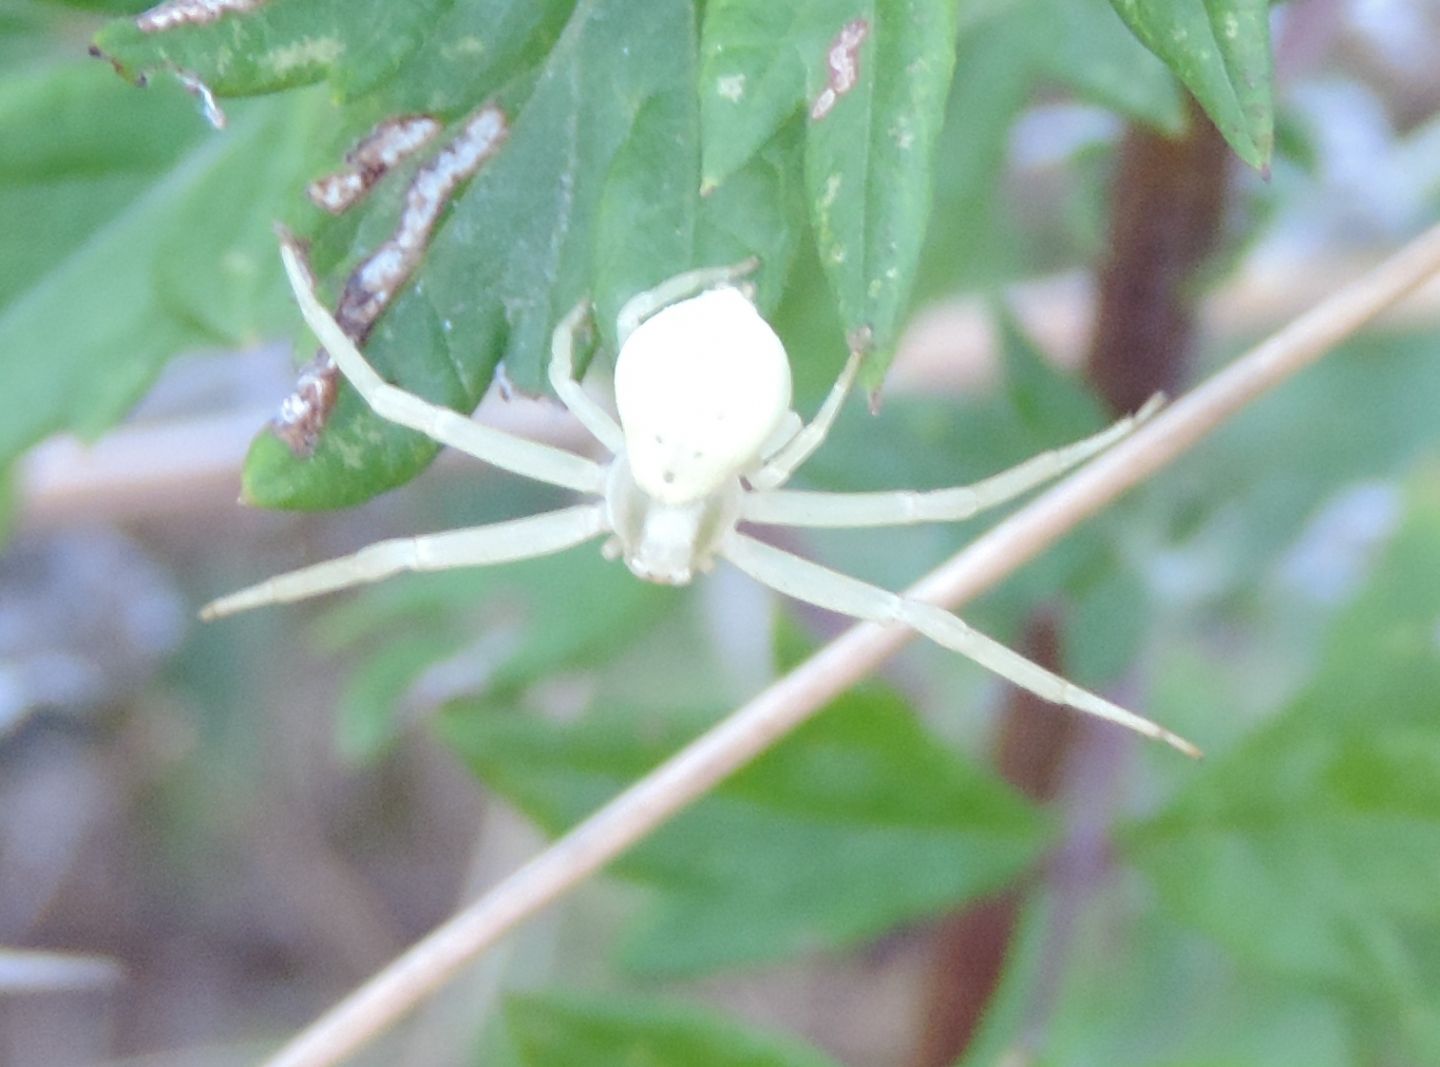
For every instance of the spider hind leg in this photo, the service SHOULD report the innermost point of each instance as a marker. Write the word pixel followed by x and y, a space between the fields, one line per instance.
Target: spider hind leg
pixel 825 588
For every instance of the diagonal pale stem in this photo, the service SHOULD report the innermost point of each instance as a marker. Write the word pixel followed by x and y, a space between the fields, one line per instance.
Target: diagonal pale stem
pixel 791 700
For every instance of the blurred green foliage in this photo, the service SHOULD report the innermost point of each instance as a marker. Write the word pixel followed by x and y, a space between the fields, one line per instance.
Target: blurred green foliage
pixel 1277 903
pixel 854 823
pixel 1220 49
pixel 558 1031
pixel 1326 821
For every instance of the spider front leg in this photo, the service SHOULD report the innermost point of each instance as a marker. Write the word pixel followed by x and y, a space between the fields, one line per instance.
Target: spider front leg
pixel 477 546
pixel 528 458
pixel 896 508
pixel 671 291
pixel 562 379
pixel 776 469
pixel 818 585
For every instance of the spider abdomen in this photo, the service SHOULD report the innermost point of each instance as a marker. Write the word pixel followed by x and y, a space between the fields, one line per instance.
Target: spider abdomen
pixel 700 386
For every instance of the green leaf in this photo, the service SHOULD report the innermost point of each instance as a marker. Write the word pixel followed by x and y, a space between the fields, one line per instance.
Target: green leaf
pixel 287 43
pixel 562 1031
pixel 1220 49
pixel 512 255
pixel 858 821
pixel 500 629
pixel 972 238
pixel 138 232
pixel 751 77
pixel 1312 849
pixel 1004 58
pixel 108 7
pixel 595 191
pixel 371 713
pixel 32 32
pixel 652 223
pixel 868 162
pixel 869 146
pixel 1157 994
pixel 1081 44
pixel 1057 405
pixel 1365 412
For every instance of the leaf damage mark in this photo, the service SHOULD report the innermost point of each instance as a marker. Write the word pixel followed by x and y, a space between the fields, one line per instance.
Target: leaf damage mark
pixel 375 281
pixel 174 13
pixel 201 92
pixel 310 52
pixel 374 155
pixel 304 412
pixel 731 87
pixel 373 284
pixel 842 66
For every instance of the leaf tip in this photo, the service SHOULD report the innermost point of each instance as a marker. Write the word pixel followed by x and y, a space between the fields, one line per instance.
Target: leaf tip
pixel 137 79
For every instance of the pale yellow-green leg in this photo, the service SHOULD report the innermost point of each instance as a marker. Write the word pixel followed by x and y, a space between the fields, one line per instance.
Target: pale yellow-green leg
pixel 671 291
pixel 897 508
pixel 562 379
pixel 477 546
pixel 528 458
pixel 776 469
pixel 818 585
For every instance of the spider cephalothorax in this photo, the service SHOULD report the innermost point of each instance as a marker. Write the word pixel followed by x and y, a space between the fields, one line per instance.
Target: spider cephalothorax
pixel 705 442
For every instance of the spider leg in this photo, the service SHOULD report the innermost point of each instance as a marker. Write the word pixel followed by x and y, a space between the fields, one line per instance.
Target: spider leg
pixel 562 379
pixel 693 282
pixel 776 469
pixel 794 508
pixel 818 585
pixel 528 458
pixel 477 546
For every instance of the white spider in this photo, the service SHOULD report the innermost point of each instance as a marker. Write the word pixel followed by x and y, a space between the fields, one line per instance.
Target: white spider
pixel 706 438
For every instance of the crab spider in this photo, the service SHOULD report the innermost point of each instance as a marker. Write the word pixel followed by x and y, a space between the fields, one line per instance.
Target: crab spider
pixel 706 439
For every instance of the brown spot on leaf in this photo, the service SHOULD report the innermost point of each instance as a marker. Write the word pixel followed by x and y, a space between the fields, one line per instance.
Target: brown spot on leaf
pixel 375 282
pixel 842 66
pixel 304 412
pixel 174 13
pixel 372 286
pixel 373 156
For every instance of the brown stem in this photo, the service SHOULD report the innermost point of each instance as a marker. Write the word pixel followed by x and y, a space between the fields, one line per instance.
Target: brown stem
pixel 970 946
pixel 1166 208
pixel 1167 204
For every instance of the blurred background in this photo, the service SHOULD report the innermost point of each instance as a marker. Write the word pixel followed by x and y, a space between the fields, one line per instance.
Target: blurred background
pixel 210 832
